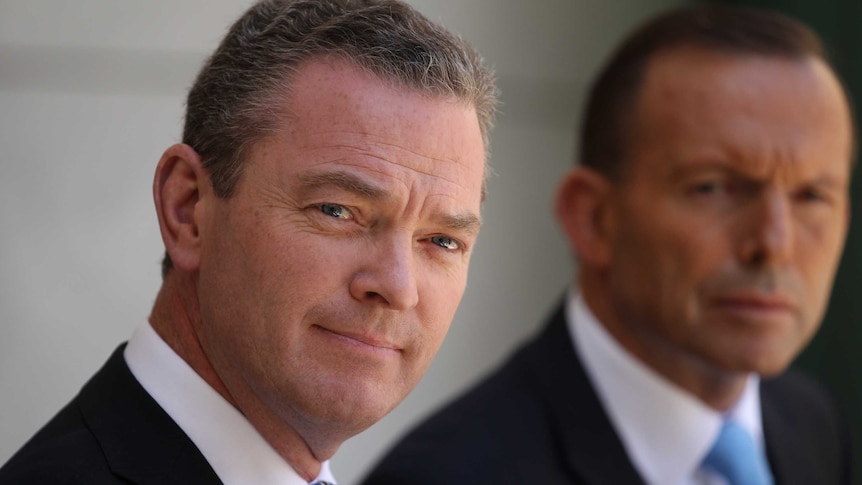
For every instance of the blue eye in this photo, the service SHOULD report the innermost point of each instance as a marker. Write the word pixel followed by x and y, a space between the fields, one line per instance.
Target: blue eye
pixel 335 210
pixel 445 242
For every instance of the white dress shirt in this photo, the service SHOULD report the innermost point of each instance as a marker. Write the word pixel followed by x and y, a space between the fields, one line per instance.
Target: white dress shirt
pixel 234 449
pixel 665 430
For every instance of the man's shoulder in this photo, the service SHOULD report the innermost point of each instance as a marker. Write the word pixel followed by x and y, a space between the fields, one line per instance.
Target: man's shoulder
pixel 475 435
pixel 805 432
pixel 64 451
pixel 497 431
pixel 794 397
pixel 111 432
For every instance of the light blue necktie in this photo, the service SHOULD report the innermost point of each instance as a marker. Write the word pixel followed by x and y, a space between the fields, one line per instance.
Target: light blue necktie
pixel 735 457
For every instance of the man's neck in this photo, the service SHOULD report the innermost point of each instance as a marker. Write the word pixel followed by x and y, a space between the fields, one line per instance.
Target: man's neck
pixel 175 317
pixel 717 388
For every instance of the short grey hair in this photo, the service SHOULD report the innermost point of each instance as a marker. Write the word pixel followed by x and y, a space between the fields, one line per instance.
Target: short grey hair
pixel 235 99
pixel 237 96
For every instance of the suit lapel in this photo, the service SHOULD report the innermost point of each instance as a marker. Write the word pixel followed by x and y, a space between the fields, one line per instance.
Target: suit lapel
pixel 791 452
pixel 784 453
pixel 591 446
pixel 140 441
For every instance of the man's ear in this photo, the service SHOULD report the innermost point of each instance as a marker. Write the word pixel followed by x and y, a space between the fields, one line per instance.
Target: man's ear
pixel 584 210
pixel 177 186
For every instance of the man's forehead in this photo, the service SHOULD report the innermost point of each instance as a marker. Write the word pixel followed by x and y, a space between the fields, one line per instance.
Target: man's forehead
pixel 707 92
pixel 338 111
pixel 747 123
pixel 700 71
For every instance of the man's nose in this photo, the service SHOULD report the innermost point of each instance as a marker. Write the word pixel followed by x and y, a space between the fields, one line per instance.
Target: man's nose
pixel 767 239
pixel 388 275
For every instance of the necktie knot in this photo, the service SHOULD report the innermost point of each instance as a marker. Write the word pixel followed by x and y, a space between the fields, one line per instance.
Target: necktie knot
pixel 735 456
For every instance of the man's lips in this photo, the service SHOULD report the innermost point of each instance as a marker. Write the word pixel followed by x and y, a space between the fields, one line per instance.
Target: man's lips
pixel 755 305
pixel 755 300
pixel 364 340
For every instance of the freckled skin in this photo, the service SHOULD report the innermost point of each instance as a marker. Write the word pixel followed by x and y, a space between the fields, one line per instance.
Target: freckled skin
pixel 328 281
pixel 726 229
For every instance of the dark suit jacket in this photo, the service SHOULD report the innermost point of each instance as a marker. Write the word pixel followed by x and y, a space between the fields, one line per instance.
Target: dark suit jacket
pixel 538 420
pixel 112 432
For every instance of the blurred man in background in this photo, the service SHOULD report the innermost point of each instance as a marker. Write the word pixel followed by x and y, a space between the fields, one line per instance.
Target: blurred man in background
pixel 708 215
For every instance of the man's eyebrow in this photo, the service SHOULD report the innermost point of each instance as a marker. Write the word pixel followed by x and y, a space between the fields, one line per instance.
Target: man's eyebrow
pixel 344 181
pixel 830 182
pixel 466 222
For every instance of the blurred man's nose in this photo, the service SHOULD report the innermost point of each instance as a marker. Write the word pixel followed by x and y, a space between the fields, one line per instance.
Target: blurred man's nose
pixel 767 236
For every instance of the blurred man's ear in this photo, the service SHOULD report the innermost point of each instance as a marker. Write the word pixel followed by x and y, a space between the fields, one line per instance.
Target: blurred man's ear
pixel 583 207
pixel 177 186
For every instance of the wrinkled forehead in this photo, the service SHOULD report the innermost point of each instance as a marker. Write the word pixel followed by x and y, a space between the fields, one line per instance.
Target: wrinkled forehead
pixel 753 107
pixel 337 113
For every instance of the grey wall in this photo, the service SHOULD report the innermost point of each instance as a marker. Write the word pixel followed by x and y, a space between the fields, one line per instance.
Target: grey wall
pixel 91 93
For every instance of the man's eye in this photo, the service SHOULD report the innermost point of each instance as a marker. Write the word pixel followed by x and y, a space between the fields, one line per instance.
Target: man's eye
pixel 704 188
pixel 811 195
pixel 335 210
pixel 445 242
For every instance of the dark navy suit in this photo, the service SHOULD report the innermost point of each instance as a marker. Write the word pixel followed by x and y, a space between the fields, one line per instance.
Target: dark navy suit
pixel 538 420
pixel 112 432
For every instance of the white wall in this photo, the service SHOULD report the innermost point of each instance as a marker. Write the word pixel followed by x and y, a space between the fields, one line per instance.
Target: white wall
pixel 91 93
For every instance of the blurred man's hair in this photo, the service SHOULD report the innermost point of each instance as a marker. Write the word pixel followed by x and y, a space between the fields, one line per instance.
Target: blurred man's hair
pixel 607 123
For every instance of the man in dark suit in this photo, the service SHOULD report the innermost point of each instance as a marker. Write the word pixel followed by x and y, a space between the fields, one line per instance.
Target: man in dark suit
pixel 708 215
pixel 318 220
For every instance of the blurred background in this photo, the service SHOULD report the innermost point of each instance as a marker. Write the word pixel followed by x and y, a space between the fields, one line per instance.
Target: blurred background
pixel 92 92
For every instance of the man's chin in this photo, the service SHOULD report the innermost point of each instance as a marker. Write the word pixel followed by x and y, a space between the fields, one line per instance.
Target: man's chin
pixel 353 409
pixel 764 364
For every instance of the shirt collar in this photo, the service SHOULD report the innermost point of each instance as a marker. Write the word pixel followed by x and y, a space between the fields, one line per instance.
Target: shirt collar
pixel 643 405
pixel 234 449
